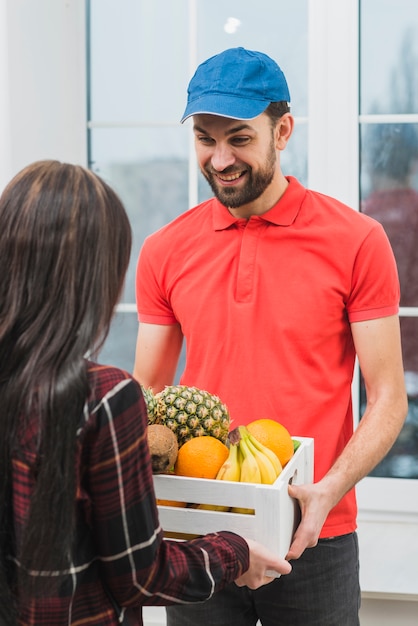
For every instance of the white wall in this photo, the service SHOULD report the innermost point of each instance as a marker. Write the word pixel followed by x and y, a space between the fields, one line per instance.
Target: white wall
pixel 43 86
pixel 373 613
pixel 378 612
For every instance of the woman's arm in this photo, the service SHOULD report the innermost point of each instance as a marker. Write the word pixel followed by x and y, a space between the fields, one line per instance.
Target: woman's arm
pixel 138 566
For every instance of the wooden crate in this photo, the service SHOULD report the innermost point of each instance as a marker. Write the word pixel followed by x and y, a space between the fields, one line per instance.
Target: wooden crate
pixel 275 515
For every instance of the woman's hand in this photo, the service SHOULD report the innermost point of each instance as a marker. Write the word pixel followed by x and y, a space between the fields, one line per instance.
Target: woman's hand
pixel 261 561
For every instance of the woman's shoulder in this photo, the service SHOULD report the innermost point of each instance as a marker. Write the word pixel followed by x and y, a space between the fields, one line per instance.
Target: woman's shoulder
pixel 114 396
pixel 108 381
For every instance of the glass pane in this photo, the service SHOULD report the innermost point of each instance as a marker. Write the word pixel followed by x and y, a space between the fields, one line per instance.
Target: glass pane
pixel 389 193
pixel 402 459
pixel 389 56
pixel 148 169
pixel 138 59
pixel 389 180
pixel 272 26
pixel 119 348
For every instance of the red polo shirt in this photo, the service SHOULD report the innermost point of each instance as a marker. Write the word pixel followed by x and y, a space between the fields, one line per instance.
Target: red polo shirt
pixel 265 305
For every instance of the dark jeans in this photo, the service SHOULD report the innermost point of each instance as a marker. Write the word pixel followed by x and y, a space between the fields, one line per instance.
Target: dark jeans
pixel 322 590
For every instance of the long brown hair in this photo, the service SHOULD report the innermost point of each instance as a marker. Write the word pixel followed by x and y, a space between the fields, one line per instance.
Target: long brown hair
pixel 65 243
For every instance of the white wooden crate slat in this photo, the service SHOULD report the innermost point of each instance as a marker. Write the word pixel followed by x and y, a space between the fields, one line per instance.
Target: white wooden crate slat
pixel 275 513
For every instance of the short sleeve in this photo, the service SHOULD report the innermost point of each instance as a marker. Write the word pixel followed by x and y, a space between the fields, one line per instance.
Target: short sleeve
pixel 375 288
pixel 152 304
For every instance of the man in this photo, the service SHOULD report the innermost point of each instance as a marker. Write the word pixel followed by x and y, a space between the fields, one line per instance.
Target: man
pixel 275 289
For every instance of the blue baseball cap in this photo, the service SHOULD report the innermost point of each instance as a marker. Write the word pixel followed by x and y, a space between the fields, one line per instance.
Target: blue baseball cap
pixel 236 83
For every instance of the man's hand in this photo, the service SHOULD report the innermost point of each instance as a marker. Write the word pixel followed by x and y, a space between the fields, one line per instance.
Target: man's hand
pixel 315 505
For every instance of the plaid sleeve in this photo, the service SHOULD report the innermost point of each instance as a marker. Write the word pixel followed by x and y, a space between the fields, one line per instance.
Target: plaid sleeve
pixel 138 566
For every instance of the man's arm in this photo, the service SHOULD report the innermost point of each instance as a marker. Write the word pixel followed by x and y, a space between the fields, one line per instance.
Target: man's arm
pixel 378 347
pixel 158 349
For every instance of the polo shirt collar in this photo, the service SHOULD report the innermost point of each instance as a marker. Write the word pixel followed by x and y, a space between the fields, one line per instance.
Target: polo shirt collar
pixel 283 213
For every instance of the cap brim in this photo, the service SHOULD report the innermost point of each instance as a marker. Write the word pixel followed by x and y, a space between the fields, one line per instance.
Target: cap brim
pixel 225 106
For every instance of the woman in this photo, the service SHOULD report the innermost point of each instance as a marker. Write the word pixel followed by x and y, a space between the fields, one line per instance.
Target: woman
pixel 80 540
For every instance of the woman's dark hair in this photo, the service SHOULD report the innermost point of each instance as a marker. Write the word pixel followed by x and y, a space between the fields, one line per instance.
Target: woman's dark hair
pixel 65 243
pixel 276 110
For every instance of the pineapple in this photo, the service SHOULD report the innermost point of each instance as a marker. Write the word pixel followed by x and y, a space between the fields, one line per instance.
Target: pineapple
pixel 189 412
pixel 151 403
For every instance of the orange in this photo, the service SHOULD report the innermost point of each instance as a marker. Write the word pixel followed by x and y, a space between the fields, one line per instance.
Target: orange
pixel 201 457
pixel 273 435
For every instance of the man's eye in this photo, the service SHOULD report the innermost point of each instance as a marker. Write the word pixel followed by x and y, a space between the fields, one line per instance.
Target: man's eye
pixel 204 139
pixel 239 141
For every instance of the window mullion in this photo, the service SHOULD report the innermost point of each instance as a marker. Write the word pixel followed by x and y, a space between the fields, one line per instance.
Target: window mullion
pixel 333 143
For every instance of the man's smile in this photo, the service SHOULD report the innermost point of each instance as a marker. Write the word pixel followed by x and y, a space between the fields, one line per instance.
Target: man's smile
pixel 229 178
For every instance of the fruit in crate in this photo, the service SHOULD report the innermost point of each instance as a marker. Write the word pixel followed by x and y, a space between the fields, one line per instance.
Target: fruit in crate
pixel 174 503
pixel 163 447
pixel 249 460
pixel 150 402
pixel 274 436
pixel 201 457
pixel 189 412
pixel 231 468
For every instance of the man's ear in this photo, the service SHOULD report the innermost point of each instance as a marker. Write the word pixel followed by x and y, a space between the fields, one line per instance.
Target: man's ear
pixel 283 131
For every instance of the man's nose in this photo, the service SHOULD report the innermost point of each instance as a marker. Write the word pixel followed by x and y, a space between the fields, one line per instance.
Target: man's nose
pixel 222 157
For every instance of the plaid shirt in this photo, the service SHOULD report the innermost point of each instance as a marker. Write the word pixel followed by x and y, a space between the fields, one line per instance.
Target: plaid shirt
pixel 121 558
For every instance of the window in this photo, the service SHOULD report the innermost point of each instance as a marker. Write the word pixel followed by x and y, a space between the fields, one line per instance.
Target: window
pixel 138 78
pixel 137 94
pixel 389 178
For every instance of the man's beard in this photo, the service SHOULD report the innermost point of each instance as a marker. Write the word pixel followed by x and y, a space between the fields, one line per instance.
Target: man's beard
pixel 253 188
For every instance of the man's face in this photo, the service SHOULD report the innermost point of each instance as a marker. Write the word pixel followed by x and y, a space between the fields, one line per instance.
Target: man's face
pixel 237 157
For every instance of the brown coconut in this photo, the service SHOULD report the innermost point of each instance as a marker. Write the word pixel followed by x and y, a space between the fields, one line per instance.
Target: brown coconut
pixel 163 446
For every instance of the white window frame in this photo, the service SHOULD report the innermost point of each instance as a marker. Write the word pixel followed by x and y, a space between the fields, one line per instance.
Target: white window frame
pixel 385 504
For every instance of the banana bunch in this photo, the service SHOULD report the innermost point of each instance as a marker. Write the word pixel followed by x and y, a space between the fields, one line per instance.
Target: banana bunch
pixel 249 461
